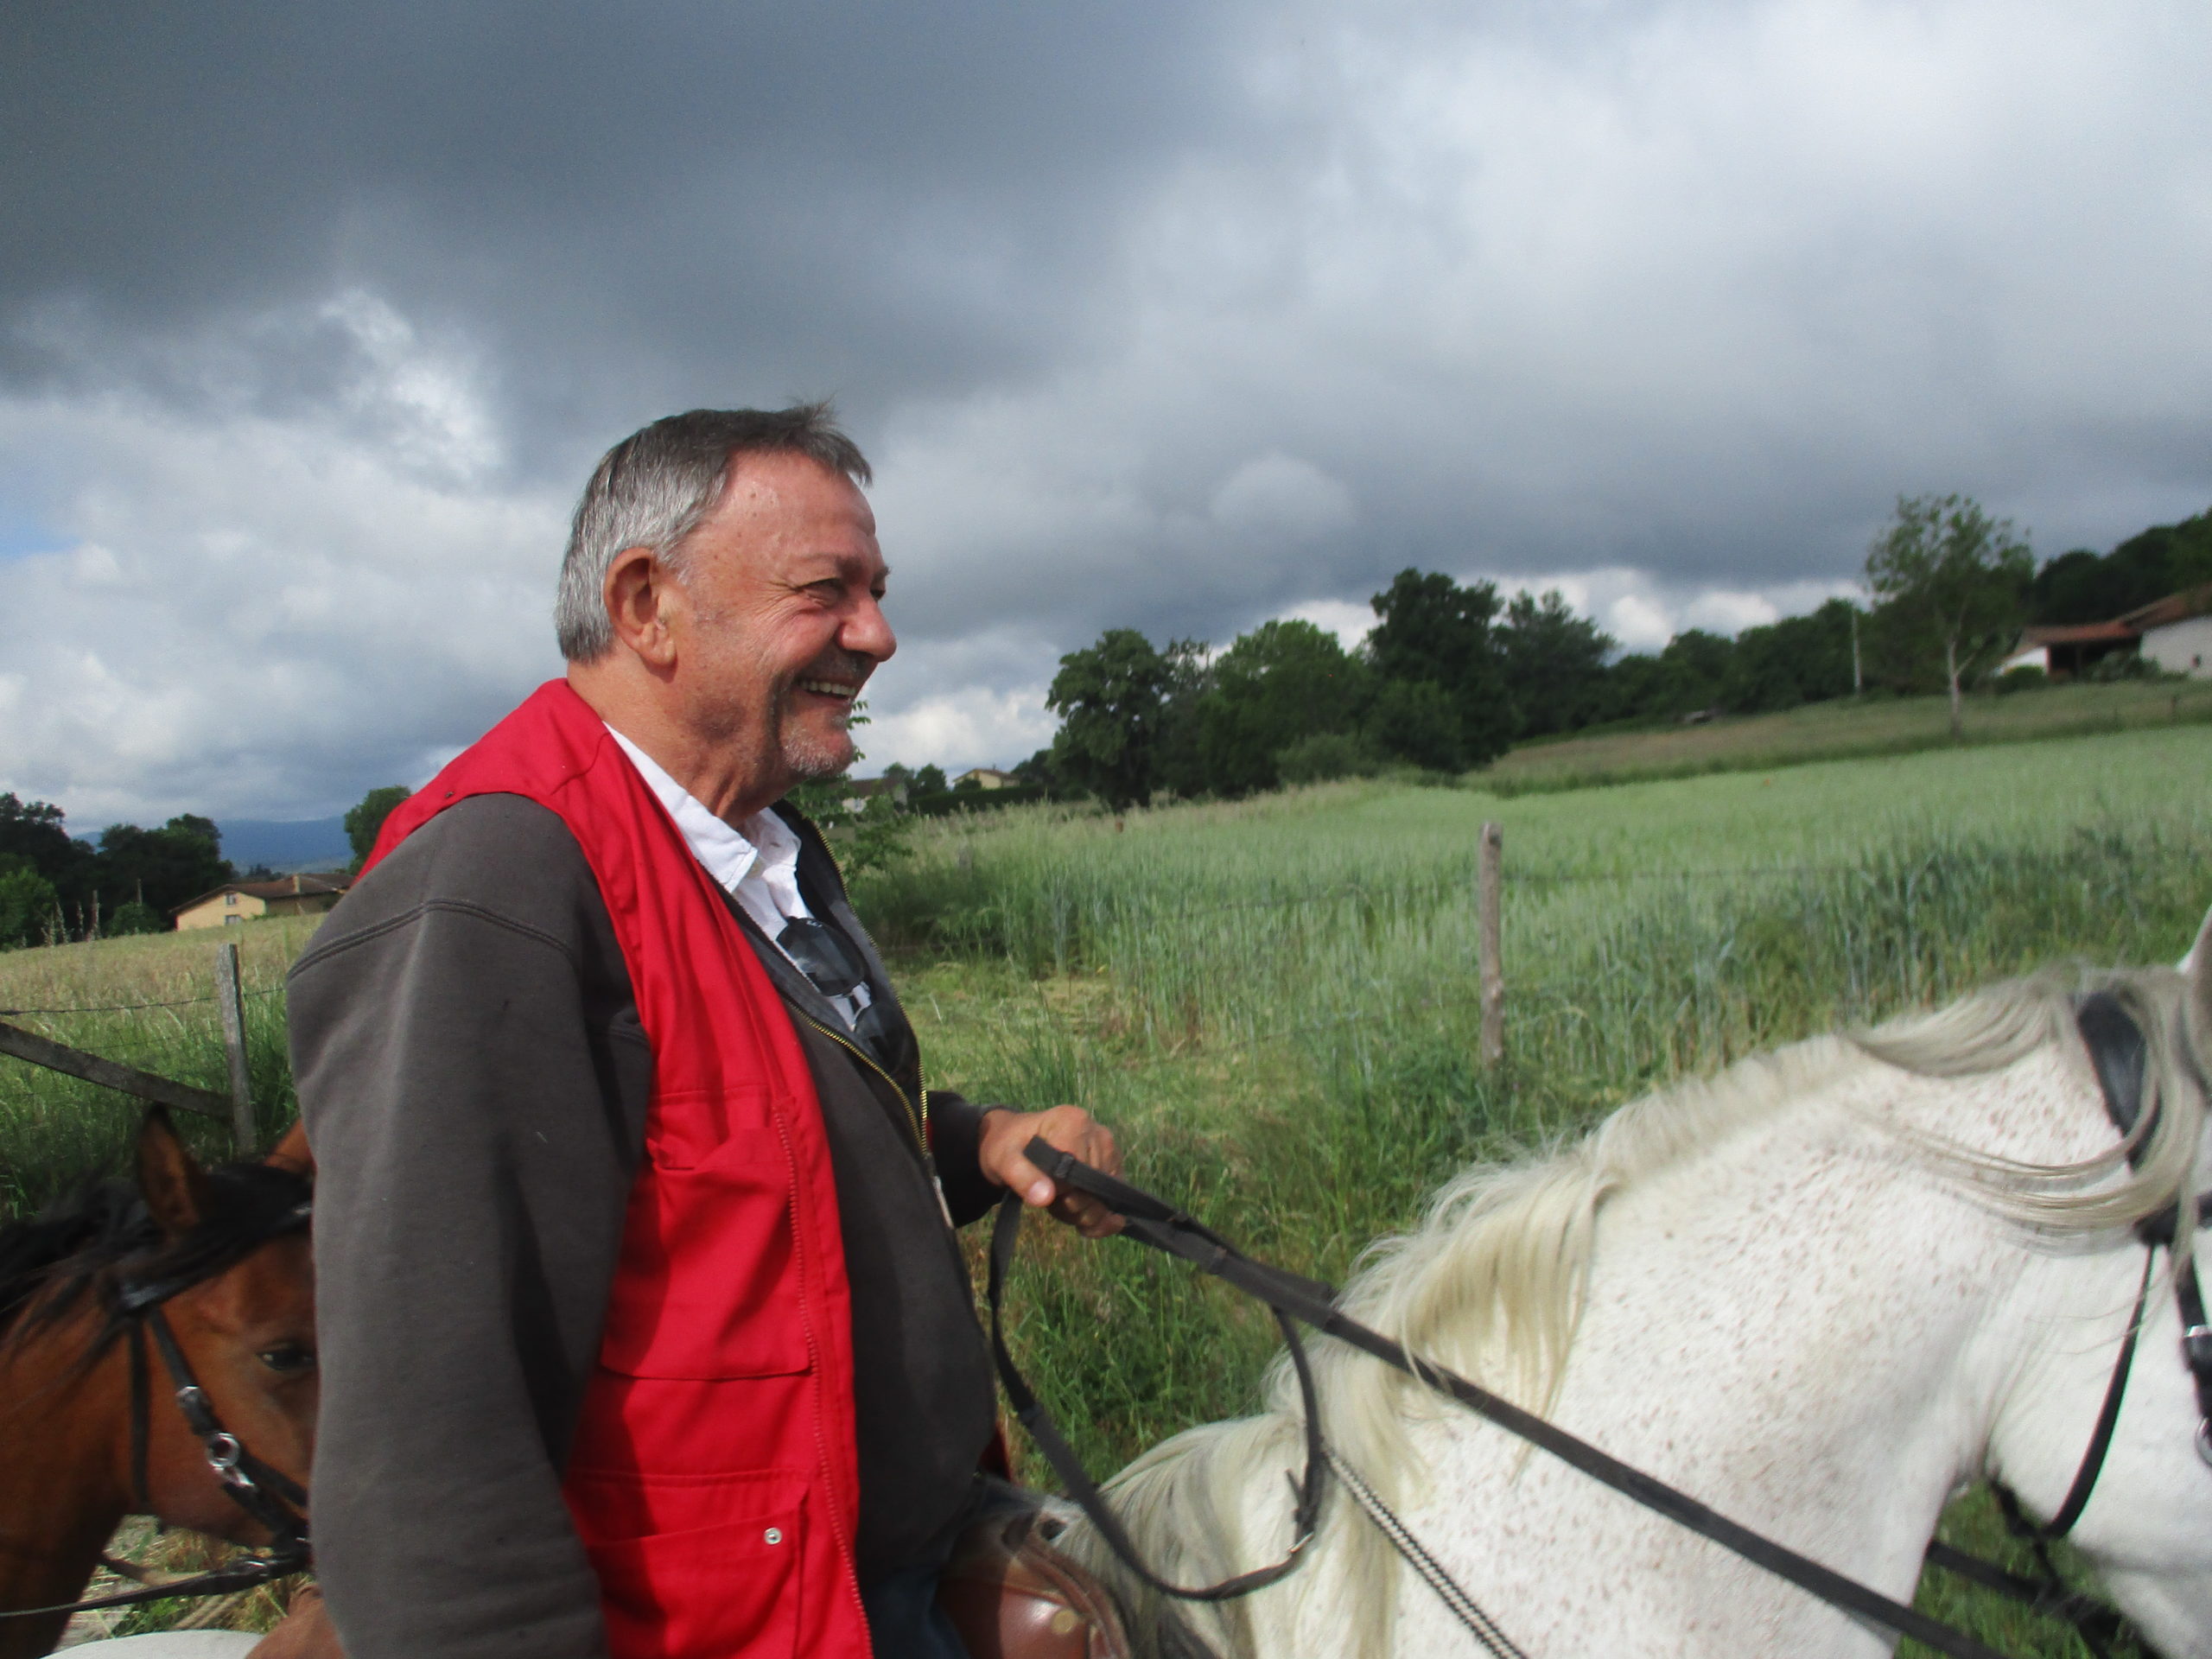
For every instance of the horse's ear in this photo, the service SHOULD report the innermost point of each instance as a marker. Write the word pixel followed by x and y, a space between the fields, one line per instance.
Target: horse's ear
pixel 170 1177
pixel 291 1153
pixel 2197 964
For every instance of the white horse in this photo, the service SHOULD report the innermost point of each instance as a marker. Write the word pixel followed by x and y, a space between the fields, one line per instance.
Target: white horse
pixel 1823 1292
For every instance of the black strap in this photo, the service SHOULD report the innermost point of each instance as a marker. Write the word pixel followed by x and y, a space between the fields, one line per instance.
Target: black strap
pixel 269 1496
pixel 2093 1460
pixel 244 1574
pixel 2098 1625
pixel 1031 1413
pixel 1152 1222
pixel 141 1416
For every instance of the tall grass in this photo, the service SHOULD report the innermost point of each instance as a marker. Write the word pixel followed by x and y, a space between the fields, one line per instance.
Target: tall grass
pixel 149 1002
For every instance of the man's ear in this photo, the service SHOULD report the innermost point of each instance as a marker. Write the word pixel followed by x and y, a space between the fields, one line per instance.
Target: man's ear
pixel 291 1153
pixel 636 592
pixel 170 1177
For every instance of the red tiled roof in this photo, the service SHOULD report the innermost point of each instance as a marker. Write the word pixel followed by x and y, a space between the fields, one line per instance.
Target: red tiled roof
pixel 2174 608
pixel 287 886
pixel 2079 633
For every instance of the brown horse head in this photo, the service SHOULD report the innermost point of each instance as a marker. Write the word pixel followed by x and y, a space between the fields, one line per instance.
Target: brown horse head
pixel 246 1331
pixel 222 1255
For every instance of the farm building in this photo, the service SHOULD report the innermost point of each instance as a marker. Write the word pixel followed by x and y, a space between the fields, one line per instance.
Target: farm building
pixel 2174 633
pixel 2064 650
pixel 2176 630
pixel 238 901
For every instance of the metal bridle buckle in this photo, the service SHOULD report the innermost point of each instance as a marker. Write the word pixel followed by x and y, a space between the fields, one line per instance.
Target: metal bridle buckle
pixel 224 1452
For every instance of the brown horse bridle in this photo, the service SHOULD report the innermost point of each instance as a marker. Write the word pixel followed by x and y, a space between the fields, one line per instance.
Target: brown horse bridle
pixel 270 1497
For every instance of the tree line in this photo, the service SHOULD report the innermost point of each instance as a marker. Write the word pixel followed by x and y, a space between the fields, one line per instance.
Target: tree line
pixel 54 886
pixel 1452 674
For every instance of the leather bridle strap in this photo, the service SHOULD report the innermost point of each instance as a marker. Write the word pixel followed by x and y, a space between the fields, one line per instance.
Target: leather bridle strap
pixel 1031 1413
pixel 270 1496
pixel 2093 1460
pixel 1150 1221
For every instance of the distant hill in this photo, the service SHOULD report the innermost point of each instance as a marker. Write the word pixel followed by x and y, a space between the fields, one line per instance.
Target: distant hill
pixel 306 844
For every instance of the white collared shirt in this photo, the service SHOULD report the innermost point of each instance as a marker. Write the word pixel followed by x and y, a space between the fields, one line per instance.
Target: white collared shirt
pixel 756 865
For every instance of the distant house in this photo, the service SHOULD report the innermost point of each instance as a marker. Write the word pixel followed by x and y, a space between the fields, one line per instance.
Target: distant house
pixel 2064 650
pixel 860 792
pixel 238 901
pixel 2174 633
pixel 986 778
pixel 2176 630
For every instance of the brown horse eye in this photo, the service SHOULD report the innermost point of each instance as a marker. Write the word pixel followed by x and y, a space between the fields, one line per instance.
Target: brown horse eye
pixel 288 1358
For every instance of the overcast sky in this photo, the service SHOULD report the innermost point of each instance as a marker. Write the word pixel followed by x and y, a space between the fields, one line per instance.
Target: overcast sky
pixel 1178 317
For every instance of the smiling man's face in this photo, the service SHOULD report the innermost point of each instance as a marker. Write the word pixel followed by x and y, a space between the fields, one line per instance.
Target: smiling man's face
pixel 784 623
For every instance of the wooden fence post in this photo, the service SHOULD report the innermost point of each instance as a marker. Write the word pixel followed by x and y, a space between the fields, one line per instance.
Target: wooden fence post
pixel 230 1002
pixel 1489 887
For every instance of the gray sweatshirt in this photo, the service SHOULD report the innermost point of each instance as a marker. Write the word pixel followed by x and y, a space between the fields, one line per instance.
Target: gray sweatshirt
pixel 474 1080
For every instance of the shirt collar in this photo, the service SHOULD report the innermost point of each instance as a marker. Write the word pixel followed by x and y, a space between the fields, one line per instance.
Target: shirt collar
pixel 729 854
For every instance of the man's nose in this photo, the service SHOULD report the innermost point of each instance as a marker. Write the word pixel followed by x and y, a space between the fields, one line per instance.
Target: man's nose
pixel 868 632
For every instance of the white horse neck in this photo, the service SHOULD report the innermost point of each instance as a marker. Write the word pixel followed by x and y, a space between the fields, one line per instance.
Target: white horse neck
pixel 1804 1324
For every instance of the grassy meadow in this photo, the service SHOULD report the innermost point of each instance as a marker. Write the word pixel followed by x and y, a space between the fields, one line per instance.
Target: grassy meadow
pixel 1274 1001
pixel 1847 729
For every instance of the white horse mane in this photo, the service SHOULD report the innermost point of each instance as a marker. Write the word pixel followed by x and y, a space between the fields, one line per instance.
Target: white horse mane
pixel 1497 1268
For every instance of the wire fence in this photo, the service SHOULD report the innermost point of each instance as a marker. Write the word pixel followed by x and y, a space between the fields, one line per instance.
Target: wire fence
pixel 1438 884
pixel 129 1007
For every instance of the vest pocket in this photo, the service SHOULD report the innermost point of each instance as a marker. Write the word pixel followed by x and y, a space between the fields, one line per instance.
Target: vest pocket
pixel 714 1592
pixel 703 1288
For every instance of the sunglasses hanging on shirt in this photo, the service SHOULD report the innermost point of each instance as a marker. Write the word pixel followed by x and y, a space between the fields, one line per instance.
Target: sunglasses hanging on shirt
pixel 827 957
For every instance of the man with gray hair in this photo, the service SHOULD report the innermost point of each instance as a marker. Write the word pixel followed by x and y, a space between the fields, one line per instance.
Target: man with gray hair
pixel 645 1331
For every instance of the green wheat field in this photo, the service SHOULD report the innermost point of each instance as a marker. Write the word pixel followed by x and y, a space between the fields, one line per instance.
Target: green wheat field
pixel 1275 1001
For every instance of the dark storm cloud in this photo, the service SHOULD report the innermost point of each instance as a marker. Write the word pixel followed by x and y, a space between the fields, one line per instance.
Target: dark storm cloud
pixel 625 207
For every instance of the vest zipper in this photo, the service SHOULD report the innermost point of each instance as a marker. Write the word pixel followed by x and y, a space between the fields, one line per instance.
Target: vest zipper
pixel 917 1114
pixel 919 1122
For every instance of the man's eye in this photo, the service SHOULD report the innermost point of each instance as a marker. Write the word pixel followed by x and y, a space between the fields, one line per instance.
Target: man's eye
pixel 288 1358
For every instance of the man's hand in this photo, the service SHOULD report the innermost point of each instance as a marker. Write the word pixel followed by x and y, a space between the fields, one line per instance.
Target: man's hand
pixel 1071 1129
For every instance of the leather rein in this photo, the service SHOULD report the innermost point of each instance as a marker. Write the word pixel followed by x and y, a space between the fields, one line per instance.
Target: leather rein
pixel 270 1496
pixel 2120 1054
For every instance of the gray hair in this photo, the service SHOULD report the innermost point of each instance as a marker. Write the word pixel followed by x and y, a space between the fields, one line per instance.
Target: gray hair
pixel 659 485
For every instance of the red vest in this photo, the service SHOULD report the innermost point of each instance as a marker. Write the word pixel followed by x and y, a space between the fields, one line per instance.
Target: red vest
pixel 713 1478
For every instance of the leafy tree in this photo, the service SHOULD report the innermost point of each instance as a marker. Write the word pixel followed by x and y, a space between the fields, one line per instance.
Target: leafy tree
pixel 2082 586
pixel 367 818
pixel 32 831
pixel 1281 683
pixel 29 910
pixel 1178 762
pixel 1555 664
pixel 1323 756
pixel 161 867
pixel 1110 698
pixel 930 780
pixel 136 916
pixel 1430 628
pixel 1690 674
pixel 1951 584
pixel 1415 720
pixel 1797 660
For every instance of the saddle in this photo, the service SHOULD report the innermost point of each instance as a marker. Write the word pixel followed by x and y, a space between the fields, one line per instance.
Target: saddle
pixel 1007 1590
pixel 1012 1595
